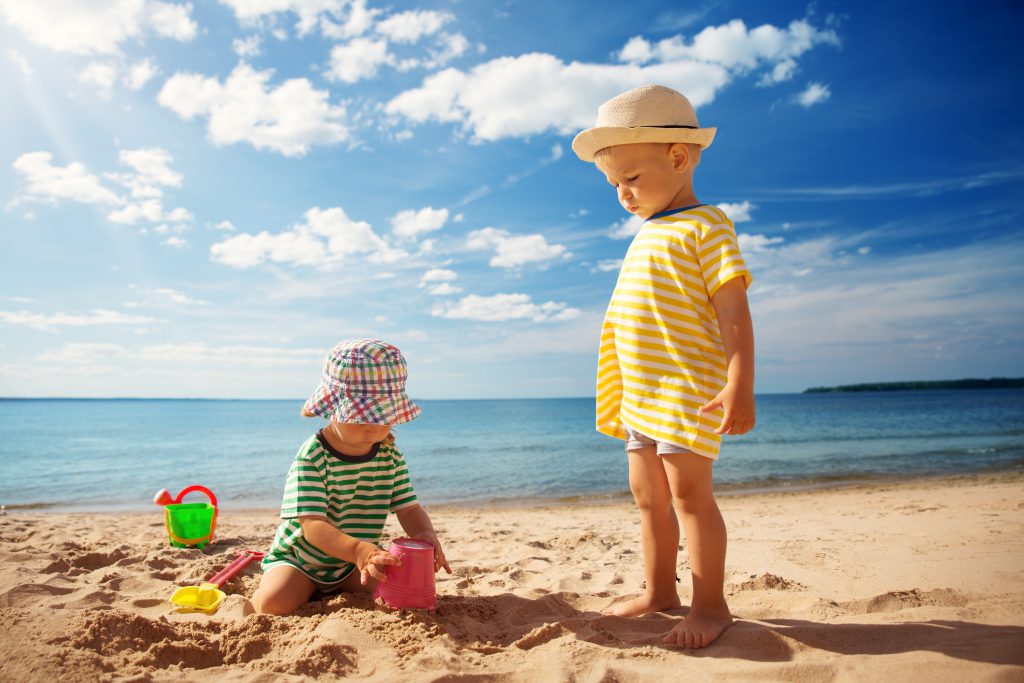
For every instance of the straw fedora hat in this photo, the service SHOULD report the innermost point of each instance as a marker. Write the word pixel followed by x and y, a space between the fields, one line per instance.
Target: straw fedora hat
pixel 650 113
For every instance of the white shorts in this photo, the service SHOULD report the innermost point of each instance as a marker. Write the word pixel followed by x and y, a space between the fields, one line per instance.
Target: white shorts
pixel 635 441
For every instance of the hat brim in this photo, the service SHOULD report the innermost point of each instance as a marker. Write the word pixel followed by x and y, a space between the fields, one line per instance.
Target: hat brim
pixel 591 141
pixel 387 409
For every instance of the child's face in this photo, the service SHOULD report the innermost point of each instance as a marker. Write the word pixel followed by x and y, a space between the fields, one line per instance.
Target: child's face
pixel 360 437
pixel 648 177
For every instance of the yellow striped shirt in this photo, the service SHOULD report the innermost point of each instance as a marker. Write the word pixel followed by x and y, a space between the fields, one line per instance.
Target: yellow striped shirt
pixel 661 354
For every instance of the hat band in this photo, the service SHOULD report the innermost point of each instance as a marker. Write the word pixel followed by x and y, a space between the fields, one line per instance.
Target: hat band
pixel 690 127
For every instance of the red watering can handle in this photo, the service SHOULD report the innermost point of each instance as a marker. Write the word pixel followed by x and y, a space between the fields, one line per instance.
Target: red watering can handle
pixel 224 575
pixel 201 489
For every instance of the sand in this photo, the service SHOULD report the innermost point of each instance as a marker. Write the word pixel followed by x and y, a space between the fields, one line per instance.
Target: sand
pixel 889 582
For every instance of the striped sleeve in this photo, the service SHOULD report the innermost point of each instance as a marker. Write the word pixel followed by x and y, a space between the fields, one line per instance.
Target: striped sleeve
pixel 402 493
pixel 718 252
pixel 305 494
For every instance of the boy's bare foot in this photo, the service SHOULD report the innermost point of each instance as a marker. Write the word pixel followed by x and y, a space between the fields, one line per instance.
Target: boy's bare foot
pixel 643 604
pixel 698 629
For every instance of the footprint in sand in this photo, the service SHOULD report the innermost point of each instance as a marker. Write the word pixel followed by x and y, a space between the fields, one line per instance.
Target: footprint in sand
pixel 766 582
pixel 894 601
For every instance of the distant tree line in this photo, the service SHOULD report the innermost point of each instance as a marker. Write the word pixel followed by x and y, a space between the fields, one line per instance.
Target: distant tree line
pixel 993 383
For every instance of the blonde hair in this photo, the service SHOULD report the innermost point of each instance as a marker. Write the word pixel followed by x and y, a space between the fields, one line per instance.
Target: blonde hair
pixel 694 149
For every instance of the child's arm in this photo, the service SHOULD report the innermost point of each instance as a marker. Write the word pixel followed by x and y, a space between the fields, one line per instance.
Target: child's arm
pixel 416 523
pixel 737 397
pixel 368 558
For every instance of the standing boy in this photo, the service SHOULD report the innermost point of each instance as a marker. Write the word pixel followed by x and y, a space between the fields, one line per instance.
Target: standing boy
pixel 676 363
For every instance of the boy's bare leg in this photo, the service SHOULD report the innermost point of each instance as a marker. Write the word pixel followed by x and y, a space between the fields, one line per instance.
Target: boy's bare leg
pixel 282 590
pixel 659 532
pixel 689 477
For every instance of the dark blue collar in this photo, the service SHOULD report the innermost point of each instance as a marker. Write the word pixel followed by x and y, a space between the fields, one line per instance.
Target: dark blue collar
pixel 672 211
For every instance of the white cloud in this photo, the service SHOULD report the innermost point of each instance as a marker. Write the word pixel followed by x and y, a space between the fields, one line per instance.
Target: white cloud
pixel 288 118
pixel 358 59
pixel 173 355
pixel 324 240
pixel 171 21
pixel 151 166
pixel 734 46
pixel 738 212
pixel 22 62
pixel 140 73
pixel 626 228
pixel 409 224
pixel 781 72
pixel 438 281
pixel 439 275
pixel 357 22
pixel 246 47
pixel 96 26
pixel 757 244
pixel 226 226
pixel 100 76
pixel 533 93
pixel 176 297
pixel 933 312
pixel 815 93
pixel 174 241
pixel 49 323
pixel 311 13
pixel 49 183
pixel 410 27
pixel 607 265
pixel 512 251
pixel 150 173
pixel 503 307
pixel 444 289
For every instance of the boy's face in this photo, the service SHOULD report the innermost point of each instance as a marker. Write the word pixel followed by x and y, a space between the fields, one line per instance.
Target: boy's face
pixel 648 177
pixel 360 437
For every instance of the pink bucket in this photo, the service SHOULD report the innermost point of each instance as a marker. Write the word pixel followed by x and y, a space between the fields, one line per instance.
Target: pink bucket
pixel 410 586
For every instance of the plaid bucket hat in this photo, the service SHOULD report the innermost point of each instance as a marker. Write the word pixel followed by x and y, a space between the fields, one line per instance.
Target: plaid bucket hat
pixel 364 382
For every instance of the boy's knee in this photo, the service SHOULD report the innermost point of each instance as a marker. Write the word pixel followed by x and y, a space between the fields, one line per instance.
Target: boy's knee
pixel 693 501
pixel 271 604
pixel 649 498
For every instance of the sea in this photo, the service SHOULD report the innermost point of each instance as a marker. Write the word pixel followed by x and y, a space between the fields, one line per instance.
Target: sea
pixel 116 454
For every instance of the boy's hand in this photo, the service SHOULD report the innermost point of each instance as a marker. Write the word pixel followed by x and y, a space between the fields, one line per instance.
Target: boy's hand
pixel 738 405
pixel 371 562
pixel 439 558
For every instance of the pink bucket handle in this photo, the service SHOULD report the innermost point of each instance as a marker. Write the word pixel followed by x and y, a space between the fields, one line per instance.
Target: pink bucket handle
pixel 199 489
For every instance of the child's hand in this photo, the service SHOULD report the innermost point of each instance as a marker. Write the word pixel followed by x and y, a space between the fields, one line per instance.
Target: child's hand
pixel 738 405
pixel 439 558
pixel 371 562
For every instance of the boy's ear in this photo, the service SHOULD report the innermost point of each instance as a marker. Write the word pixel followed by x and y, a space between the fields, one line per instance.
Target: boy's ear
pixel 683 157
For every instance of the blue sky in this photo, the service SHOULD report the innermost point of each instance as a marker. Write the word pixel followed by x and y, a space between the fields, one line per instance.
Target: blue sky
pixel 200 198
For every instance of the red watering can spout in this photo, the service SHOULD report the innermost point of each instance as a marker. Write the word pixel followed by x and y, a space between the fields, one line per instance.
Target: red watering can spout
pixel 163 496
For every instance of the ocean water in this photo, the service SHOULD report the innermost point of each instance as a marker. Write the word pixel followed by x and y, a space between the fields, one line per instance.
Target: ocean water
pixel 116 454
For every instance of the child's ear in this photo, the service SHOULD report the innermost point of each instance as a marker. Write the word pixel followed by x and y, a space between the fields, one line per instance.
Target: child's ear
pixel 681 155
pixel 685 155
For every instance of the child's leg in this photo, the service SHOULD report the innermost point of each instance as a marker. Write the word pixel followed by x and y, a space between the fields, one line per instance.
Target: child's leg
pixel 282 590
pixel 689 477
pixel 659 534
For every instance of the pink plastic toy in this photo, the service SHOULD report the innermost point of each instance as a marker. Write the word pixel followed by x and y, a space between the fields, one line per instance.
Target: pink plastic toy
pixel 410 586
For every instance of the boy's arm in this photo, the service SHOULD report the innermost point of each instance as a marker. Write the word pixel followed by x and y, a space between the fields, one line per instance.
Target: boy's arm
pixel 737 397
pixel 368 558
pixel 416 523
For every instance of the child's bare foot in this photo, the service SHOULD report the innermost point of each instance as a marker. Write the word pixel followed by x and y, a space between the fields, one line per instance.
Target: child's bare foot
pixel 698 629
pixel 643 604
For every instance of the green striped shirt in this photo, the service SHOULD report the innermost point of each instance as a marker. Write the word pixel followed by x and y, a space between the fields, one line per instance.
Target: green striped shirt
pixel 354 493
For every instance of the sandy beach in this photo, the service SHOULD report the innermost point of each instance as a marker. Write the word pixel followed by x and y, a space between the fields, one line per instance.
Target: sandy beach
pixel 920 580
